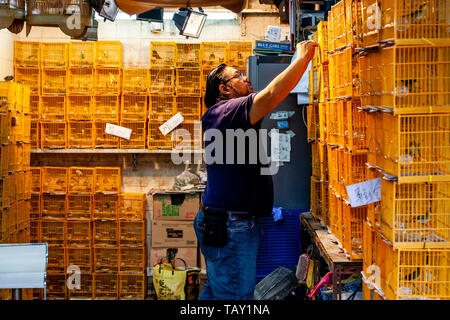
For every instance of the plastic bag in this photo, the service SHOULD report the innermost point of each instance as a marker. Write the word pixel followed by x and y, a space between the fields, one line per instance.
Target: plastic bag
pixel 168 282
pixel 173 283
pixel 186 180
pixel 277 213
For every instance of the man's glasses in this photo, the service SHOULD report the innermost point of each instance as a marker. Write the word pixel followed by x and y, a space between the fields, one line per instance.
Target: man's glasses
pixel 237 75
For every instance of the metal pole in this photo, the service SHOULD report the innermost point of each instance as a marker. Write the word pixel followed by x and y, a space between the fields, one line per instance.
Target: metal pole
pixel 17 294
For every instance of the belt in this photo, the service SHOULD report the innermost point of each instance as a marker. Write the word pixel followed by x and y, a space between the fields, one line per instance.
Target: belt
pixel 233 216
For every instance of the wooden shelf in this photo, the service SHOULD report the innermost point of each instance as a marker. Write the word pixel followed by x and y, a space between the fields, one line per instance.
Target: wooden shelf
pixel 333 254
pixel 121 151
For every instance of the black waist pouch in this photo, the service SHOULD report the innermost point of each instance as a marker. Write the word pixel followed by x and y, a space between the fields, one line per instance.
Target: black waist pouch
pixel 215 232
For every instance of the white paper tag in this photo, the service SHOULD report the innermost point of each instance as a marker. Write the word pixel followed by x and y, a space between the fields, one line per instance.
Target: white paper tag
pixel 364 193
pixel 290 133
pixel 171 124
pixel 273 34
pixel 280 147
pixel 118 131
pixel 281 115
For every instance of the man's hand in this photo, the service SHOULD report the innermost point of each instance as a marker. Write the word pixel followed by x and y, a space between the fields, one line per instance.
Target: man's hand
pixel 306 49
pixel 268 98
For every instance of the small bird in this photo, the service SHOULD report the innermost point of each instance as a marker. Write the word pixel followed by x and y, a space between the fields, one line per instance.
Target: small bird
pixel 413 275
pixel 155 55
pixel 414 149
pixel 423 219
pixel 411 84
pixel 112 79
pixel 419 13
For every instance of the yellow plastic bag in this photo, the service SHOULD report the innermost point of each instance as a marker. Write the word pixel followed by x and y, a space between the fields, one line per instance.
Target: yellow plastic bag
pixel 169 282
pixel 172 283
pixel 310 276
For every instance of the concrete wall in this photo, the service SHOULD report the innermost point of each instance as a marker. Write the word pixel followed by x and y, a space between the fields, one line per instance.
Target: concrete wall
pixel 7 53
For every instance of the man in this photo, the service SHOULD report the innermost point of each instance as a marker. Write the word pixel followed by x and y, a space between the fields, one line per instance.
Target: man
pixel 236 195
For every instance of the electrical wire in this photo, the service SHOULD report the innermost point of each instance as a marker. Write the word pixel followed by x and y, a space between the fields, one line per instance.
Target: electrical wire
pixel 303 116
pixel 353 295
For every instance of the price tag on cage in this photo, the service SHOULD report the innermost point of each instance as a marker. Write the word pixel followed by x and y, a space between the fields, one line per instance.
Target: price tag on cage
pixel 118 131
pixel 364 193
pixel 171 124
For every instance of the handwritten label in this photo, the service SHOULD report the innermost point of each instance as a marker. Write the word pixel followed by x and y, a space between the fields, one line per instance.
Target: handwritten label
pixel 273 34
pixel 171 124
pixel 364 193
pixel 281 147
pixel 118 131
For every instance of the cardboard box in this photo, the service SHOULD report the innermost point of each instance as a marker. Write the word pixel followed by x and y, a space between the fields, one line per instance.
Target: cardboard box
pixel 173 234
pixel 171 205
pixel 189 255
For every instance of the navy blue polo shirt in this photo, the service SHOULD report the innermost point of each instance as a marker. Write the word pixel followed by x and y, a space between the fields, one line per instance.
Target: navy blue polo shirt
pixel 233 186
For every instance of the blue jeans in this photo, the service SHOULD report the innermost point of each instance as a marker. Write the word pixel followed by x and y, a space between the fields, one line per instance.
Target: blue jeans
pixel 231 269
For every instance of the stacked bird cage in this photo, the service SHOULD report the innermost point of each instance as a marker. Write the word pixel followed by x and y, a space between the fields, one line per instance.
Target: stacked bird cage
pixel 388 110
pixel 15 172
pixel 88 222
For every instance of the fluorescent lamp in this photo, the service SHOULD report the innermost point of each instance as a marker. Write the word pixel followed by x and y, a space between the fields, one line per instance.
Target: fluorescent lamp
pixel 153 15
pixel 107 9
pixel 189 22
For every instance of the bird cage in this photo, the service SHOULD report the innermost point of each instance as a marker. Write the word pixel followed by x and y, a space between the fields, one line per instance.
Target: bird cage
pixel 27 54
pixel 81 54
pixel 54 54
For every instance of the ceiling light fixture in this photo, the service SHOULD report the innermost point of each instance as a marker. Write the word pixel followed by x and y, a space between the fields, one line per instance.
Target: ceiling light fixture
pixel 107 9
pixel 153 15
pixel 189 22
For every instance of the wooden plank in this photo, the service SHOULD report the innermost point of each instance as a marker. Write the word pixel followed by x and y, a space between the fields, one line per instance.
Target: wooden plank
pixel 330 250
pixel 310 223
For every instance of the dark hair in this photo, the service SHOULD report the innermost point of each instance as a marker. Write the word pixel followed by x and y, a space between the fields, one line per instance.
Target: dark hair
pixel 213 81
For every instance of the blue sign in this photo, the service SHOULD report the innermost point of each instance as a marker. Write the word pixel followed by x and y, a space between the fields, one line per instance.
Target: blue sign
pixel 282 124
pixel 276 46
